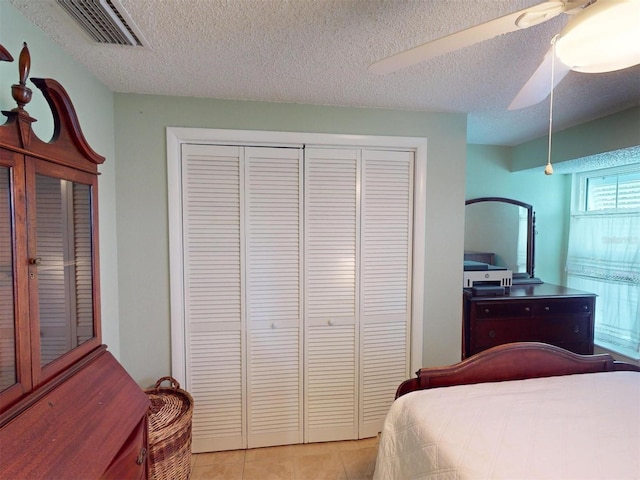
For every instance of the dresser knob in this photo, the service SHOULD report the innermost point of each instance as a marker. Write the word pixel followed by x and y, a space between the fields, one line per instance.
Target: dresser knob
pixel 585 308
pixel 546 309
pixel 492 334
pixel 527 309
pixel 486 310
pixel 576 329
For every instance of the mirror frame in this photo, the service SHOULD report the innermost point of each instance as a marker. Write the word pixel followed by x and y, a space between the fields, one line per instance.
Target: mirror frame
pixel 531 222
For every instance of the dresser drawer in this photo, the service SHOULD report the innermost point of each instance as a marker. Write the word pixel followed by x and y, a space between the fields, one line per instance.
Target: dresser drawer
pixel 564 307
pixel 504 309
pixel 488 333
pixel 559 330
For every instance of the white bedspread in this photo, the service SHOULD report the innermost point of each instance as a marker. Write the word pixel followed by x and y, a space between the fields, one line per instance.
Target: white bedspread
pixel 572 427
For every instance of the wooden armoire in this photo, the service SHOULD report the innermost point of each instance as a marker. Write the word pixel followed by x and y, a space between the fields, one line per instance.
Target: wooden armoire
pixel 68 409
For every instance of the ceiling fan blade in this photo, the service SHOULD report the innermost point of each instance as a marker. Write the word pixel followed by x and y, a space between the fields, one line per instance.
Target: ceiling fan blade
pixel 479 33
pixel 5 56
pixel 538 87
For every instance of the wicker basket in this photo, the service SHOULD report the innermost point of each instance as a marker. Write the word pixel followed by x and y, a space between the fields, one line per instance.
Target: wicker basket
pixel 169 431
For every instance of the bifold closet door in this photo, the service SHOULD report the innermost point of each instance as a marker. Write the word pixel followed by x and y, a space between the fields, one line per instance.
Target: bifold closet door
pixel 358 247
pixel 385 282
pixel 296 300
pixel 273 295
pixel 331 266
pixel 242 282
pixel 213 203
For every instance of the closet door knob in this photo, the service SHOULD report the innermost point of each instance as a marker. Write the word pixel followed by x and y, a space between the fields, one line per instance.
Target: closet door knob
pixel 330 322
pixel 35 261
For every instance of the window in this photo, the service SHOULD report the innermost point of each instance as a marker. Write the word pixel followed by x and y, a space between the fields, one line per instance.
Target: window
pixel 614 191
pixel 604 253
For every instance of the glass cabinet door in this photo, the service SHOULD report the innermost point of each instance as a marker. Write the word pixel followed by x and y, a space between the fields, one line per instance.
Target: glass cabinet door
pixel 8 364
pixel 48 284
pixel 63 260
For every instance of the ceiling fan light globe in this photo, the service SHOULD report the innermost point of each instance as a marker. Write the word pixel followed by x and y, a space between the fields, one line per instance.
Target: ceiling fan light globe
pixel 603 38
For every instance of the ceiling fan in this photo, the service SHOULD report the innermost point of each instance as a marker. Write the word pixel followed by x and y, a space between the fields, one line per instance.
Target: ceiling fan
pixel 600 36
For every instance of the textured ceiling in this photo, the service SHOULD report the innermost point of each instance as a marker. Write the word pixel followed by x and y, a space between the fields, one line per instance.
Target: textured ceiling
pixel 318 51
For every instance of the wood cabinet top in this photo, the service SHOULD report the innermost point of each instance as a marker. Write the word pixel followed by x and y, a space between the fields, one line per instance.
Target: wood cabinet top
pixel 533 291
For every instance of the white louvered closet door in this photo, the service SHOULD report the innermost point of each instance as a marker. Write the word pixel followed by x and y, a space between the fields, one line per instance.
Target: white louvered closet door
pixel 273 180
pixel 331 239
pixel 296 300
pixel 212 186
pixel 385 302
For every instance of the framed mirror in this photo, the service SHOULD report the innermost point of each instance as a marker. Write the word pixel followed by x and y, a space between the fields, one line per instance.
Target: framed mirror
pixel 501 231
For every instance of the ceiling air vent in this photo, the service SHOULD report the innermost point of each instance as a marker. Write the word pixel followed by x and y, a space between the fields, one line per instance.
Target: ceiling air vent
pixel 106 21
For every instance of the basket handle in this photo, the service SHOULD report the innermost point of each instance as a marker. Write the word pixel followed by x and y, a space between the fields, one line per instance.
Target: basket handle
pixel 174 383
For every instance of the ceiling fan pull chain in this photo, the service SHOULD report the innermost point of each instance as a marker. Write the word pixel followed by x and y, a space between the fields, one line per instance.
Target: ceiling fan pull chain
pixel 548 170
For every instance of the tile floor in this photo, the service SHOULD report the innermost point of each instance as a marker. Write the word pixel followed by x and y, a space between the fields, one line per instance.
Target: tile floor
pixel 347 460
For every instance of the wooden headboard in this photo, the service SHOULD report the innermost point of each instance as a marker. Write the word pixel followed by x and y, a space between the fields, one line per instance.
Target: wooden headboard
pixel 512 361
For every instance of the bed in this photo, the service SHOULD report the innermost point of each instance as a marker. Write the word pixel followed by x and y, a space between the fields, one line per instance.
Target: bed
pixel 517 411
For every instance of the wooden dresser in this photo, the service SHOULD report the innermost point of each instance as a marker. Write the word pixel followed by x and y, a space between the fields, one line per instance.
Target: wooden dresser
pixel 68 410
pixel 540 312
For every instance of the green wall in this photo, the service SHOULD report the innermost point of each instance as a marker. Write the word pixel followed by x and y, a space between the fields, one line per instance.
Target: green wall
pixel 94 105
pixel 489 174
pixel 140 131
pixel 607 134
